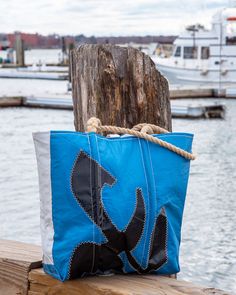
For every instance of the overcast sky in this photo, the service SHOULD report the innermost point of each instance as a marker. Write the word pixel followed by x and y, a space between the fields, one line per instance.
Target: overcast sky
pixel 105 17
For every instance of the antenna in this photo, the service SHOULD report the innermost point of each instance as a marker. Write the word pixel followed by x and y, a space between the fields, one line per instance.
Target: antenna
pixel 220 55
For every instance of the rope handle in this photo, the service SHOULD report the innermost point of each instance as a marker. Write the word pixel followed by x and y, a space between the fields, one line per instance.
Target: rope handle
pixel 142 130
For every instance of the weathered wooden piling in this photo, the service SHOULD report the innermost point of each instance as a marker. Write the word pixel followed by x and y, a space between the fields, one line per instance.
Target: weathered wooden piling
pixel 121 86
pixel 20 53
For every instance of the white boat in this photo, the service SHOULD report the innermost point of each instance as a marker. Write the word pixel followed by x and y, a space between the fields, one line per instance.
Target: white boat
pixel 204 56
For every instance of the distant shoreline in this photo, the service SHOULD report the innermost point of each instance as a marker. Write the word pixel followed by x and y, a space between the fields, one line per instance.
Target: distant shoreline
pixel 37 41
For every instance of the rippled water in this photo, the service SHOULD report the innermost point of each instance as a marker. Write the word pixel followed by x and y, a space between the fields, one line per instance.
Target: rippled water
pixel 208 250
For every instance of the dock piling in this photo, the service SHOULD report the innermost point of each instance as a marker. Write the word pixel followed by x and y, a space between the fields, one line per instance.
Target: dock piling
pixel 20 53
pixel 120 86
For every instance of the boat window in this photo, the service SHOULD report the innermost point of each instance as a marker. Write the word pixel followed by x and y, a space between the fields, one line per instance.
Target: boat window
pixel 231 31
pixel 190 52
pixel 177 51
pixel 205 52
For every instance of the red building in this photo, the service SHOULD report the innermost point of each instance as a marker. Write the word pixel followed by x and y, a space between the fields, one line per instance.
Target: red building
pixel 36 40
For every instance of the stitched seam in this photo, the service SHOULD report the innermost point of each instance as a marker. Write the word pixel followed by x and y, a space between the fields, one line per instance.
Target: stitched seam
pixel 101 190
pixel 150 157
pixel 155 192
pixel 136 204
pixel 166 242
pixel 100 222
pixel 73 191
pixel 71 188
pixel 167 236
pixel 99 183
pixel 150 241
pixel 73 252
pixel 143 223
pixel 131 137
pixel 90 180
pixel 100 165
pixel 147 212
pixel 166 250
pixel 102 168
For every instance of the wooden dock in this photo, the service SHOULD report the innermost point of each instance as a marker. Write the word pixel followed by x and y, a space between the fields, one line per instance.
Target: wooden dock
pixel 21 273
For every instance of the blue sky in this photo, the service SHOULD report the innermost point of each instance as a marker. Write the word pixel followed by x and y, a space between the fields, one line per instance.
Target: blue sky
pixel 105 17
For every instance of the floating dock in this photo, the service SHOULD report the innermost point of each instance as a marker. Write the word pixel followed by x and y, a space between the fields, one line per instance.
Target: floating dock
pixel 26 74
pixel 190 93
pixel 196 93
pixel 51 103
pixel 195 112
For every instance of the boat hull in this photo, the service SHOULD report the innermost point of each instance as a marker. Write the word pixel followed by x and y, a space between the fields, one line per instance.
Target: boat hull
pixel 197 76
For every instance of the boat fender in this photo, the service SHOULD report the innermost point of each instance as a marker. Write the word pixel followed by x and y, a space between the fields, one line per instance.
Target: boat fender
pixel 224 72
pixel 204 72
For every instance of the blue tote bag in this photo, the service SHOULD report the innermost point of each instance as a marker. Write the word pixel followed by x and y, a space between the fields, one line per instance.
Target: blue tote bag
pixel 111 204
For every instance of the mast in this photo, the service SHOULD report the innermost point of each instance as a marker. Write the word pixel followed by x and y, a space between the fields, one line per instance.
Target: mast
pixel 220 55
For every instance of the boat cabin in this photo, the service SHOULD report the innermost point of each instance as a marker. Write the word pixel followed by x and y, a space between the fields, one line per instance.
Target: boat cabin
pixel 217 44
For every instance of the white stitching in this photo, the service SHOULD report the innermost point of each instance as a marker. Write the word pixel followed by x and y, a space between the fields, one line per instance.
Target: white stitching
pixel 99 181
pixel 174 134
pixel 167 236
pixel 72 187
pixel 73 252
pixel 130 138
pixel 146 211
pixel 138 188
pixel 90 179
pixel 100 191
pixel 166 251
pixel 132 215
pixel 148 205
pixel 166 241
pixel 155 196
pixel 154 182
pixel 104 208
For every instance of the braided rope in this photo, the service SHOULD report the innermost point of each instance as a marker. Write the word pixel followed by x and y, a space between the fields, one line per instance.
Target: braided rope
pixel 155 128
pixel 147 129
pixel 94 125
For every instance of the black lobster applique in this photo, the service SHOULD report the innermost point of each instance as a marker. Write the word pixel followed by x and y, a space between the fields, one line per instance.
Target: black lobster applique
pixel 87 180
